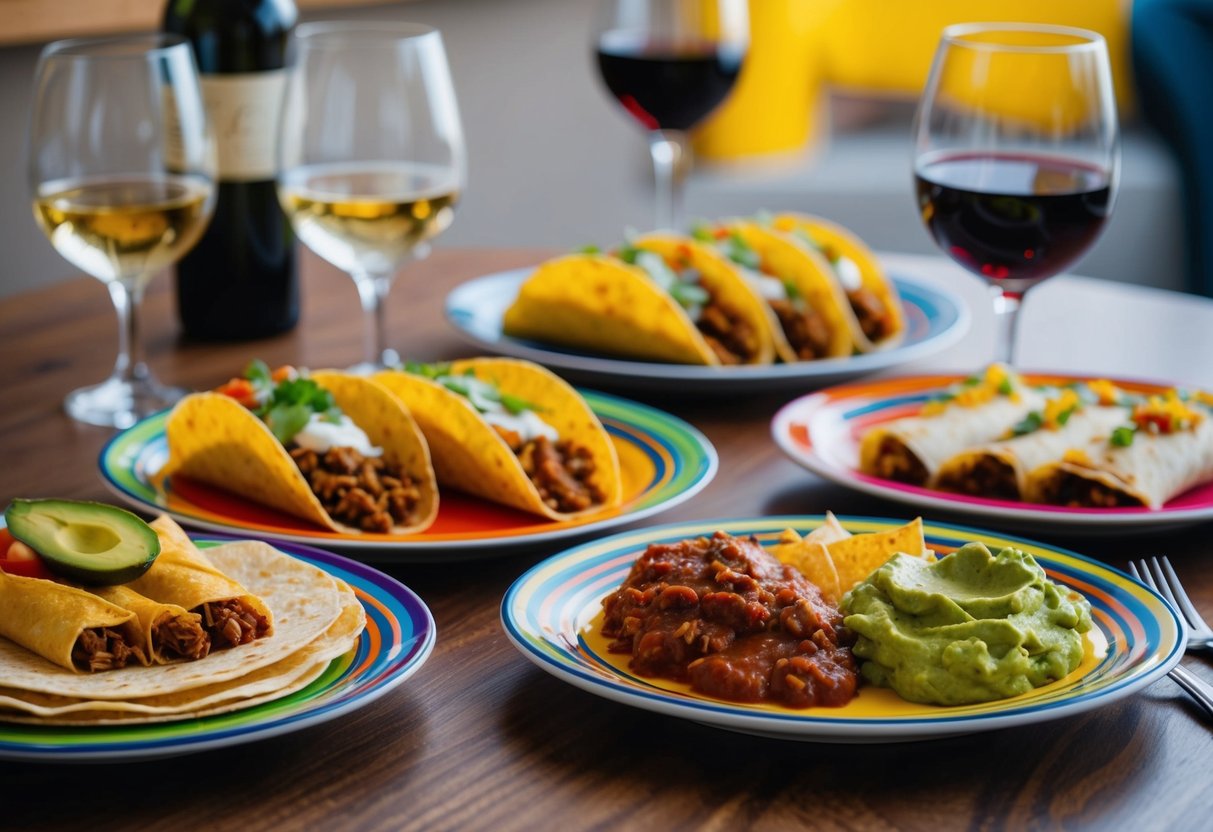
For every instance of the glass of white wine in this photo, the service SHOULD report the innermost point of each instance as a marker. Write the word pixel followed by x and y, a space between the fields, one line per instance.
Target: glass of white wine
pixel 372 154
pixel 121 168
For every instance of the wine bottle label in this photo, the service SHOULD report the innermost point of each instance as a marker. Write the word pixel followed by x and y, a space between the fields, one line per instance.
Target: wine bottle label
pixel 244 109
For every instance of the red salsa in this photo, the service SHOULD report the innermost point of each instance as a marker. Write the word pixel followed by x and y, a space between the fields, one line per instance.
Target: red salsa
pixel 723 615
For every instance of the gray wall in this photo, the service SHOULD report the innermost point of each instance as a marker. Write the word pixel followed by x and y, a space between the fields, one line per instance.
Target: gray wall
pixel 553 162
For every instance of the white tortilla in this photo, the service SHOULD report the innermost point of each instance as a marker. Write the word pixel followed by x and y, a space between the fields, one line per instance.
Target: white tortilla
pixel 1153 469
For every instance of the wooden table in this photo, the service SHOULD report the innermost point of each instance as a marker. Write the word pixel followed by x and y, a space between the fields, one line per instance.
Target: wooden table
pixel 481 739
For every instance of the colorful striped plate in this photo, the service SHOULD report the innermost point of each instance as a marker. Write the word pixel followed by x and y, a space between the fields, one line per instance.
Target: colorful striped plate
pixel 548 614
pixel 664 462
pixel 398 638
pixel 935 319
pixel 821 431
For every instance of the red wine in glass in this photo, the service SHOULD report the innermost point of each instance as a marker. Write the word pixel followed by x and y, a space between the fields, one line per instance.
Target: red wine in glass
pixel 667 85
pixel 1013 218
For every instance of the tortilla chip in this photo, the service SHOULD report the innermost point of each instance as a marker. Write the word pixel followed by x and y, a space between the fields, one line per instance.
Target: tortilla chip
pixel 813 561
pixel 828 532
pixel 858 556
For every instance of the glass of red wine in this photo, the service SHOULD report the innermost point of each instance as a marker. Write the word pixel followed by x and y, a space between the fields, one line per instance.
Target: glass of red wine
pixel 1016 154
pixel 670 63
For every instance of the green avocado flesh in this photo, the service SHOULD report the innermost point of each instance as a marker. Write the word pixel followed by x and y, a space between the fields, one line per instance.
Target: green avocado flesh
pixel 87 542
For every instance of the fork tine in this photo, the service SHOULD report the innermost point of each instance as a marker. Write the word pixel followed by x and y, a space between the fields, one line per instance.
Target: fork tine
pixel 1163 585
pixel 1185 603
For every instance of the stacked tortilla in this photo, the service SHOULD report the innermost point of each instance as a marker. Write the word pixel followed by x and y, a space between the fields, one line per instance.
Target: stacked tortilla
pixel 311 619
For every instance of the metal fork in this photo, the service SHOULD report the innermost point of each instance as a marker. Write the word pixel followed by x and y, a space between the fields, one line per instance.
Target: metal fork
pixel 1162 579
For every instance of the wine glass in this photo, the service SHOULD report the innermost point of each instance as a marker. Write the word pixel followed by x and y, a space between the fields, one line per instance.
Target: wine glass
pixel 121 168
pixel 669 64
pixel 1016 154
pixel 372 155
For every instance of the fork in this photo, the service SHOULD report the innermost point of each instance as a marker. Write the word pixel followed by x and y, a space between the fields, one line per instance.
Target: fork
pixel 1160 577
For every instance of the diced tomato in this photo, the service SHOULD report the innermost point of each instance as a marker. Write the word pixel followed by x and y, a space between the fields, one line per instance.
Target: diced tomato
pixel 721 233
pixel 18 559
pixel 240 389
pixel 285 373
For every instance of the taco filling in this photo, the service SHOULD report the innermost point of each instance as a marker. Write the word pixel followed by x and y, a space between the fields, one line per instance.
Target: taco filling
pixel 562 470
pixel 180 636
pixel 348 475
pixel 104 648
pixel 875 318
pixel 731 336
pixel 232 622
pixel 805 328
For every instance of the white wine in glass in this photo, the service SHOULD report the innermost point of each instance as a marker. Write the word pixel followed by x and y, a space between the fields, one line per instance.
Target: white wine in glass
pixel 373 160
pixel 121 169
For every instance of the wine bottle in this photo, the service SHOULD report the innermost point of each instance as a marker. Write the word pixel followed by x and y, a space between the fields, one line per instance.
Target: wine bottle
pixel 240 281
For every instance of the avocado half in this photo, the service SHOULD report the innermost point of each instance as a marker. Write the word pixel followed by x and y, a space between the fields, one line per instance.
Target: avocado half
pixel 92 543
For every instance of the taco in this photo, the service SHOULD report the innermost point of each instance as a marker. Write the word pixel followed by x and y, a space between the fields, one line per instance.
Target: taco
pixel 660 297
pixel 873 309
pixel 334 449
pixel 511 432
pixel 806 310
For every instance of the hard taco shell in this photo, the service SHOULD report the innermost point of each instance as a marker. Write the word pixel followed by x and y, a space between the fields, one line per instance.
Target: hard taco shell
pixel 214 439
pixel 470 456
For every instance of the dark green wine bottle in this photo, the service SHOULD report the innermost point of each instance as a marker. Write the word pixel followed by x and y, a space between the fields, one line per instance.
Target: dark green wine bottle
pixel 241 280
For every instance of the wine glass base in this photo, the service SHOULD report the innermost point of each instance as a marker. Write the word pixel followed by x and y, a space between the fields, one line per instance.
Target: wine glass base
pixel 117 403
pixel 390 360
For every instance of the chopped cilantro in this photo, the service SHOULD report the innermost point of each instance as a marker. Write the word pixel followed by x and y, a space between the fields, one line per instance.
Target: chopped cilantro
pixel 430 371
pixel 258 372
pixel 1006 388
pixel 703 233
pixel 628 254
pixel 590 249
pixel 971 381
pixel 1122 437
pixel 1030 423
pixel 791 289
pixel 739 251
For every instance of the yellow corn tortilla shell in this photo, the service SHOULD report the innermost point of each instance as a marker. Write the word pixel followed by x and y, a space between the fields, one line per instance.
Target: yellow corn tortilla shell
pixel 721 278
pixel 304 601
pixel 859 555
pixel 809 273
pixel 599 304
pixel 214 439
pixel 43 619
pixel 270 682
pixel 811 559
pixel 147 613
pixel 183 576
pixel 833 237
pixel 470 456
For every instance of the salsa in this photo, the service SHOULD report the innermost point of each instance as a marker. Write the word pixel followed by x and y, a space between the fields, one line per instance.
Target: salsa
pixel 725 616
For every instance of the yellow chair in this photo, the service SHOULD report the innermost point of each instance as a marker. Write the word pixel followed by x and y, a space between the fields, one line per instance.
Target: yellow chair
pixel 879 49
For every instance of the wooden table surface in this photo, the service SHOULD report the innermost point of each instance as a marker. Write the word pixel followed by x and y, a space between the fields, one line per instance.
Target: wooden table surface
pixel 480 738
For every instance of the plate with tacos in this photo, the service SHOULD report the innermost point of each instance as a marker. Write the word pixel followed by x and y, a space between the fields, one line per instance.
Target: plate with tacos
pixel 221 641
pixel 1031 450
pixel 425 461
pixel 744 304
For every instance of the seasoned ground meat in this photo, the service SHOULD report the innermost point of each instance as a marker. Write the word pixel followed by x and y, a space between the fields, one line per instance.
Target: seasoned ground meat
pixel 986 477
pixel 805 329
pixel 230 623
pixel 729 335
pixel 725 616
pixel 562 471
pixel 894 461
pixel 360 491
pixel 103 648
pixel 873 317
pixel 1078 492
pixel 181 637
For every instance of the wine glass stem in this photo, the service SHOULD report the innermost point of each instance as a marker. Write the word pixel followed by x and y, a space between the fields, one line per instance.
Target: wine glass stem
pixel 129 366
pixel 1006 316
pixel 667 148
pixel 372 291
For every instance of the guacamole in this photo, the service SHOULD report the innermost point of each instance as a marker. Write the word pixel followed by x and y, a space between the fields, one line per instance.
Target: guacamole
pixel 970 627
